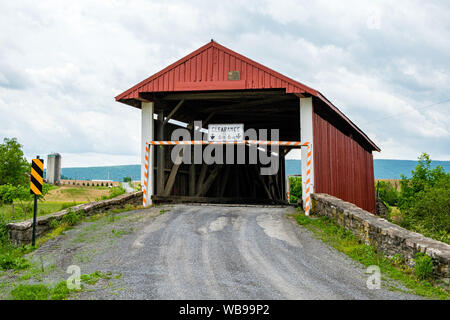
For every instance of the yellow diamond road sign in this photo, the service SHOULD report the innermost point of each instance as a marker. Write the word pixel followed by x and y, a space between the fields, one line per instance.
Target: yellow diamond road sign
pixel 36 177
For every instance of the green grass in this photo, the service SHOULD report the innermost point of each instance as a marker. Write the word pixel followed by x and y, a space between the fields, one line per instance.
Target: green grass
pixel 397 217
pixel 12 258
pixel 99 187
pixel 73 218
pixel 75 191
pixel 113 192
pixel 31 292
pixel 94 277
pixel 343 240
pixel 120 233
pixel 59 291
pixel 41 291
pixel 424 266
pixel 44 208
pixel 48 207
pixel 53 187
pixel 127 207
pixel 80 190
pixel 36 272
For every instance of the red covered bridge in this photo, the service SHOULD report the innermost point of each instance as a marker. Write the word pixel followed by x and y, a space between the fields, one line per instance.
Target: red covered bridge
pixel 217 85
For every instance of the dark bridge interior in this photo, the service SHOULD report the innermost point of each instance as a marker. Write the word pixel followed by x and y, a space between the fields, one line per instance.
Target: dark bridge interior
pixel 223 183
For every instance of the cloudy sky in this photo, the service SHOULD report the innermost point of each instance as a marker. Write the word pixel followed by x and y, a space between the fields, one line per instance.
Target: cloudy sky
pixel 385 64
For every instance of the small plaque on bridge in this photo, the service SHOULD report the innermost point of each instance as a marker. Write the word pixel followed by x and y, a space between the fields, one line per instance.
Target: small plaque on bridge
pixel 226 132
pixel 234 75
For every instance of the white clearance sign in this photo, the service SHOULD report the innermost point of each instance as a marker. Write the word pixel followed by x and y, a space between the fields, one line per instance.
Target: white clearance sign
pixel 226 132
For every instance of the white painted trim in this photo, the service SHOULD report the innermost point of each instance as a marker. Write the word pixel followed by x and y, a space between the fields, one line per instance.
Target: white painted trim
pixel 306 135
pixel 147 129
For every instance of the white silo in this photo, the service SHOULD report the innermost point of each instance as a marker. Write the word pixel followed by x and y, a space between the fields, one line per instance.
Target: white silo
pixel 53 174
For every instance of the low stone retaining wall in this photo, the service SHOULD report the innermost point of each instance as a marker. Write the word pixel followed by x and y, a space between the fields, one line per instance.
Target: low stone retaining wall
pixel 380 233
pixel 21 232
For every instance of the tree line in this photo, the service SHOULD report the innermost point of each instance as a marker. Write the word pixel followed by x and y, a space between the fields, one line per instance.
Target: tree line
pixel 15 176
pixel 423 199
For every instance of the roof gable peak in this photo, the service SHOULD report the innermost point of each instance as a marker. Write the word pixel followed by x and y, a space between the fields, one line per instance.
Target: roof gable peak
pixel 207 69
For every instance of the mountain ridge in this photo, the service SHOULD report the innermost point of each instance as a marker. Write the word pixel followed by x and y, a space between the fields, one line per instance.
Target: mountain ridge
pixel 383 169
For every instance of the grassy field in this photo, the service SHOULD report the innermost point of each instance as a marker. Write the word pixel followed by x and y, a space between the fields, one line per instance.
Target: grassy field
pixel 76 194
pixel 58 198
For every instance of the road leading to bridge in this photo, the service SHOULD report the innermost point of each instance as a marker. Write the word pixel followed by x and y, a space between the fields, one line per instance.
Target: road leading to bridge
pixel 217 252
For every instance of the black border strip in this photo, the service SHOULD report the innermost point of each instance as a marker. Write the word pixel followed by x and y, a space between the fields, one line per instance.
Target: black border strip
pixel 36 168
pixel 36 183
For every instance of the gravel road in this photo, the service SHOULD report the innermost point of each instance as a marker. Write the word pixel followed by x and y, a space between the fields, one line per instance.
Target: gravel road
pixel 127 187
pixel 207 252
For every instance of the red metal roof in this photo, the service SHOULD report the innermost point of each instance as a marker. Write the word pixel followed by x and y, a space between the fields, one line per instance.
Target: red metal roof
pixel 207 69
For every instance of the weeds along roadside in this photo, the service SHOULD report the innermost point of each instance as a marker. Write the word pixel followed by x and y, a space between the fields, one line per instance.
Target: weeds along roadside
pixel 60 290
pixel 12 257
pixel 13 260
pixel 418 280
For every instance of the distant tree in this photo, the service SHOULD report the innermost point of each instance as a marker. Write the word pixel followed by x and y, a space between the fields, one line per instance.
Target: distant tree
pixel 21 195
pixel 425 200
pixel 126 179
pixel 295 189
pixel 424 176
pixel 387 192
pixel 14 167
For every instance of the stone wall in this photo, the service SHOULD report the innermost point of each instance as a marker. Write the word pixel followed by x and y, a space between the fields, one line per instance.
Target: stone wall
pixel 21 232
pixel 380 233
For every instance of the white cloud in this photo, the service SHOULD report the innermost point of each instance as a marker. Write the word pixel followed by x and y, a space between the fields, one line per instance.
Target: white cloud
pixel 374 21
pixel 62 63
pixel 290 11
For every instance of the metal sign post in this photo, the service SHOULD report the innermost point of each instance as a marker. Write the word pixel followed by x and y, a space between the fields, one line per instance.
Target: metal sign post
pixel 36 181
pixel 33 240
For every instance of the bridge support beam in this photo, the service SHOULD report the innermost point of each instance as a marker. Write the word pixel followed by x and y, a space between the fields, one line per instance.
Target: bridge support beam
pixel 160 176
pixel 147 127
pixel 306 135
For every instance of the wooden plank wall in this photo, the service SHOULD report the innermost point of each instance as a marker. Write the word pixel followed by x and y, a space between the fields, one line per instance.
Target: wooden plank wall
pixel 342 167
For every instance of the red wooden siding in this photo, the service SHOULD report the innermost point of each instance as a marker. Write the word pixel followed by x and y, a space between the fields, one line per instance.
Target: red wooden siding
pixel 342 167
pixel 207 69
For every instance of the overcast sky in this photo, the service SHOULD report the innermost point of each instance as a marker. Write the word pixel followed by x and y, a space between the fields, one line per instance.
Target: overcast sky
pixel 383 63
